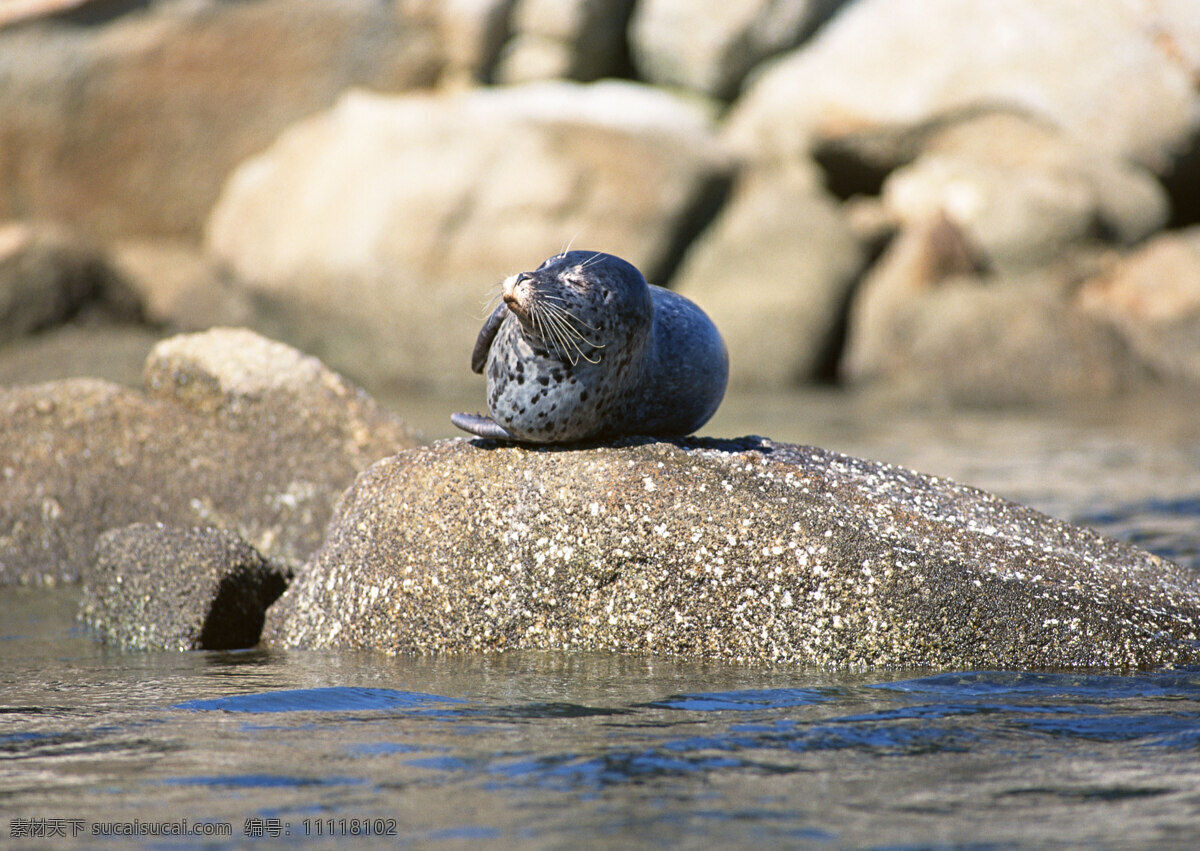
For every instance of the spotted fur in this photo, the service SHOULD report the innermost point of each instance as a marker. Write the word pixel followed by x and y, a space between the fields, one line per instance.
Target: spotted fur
pixel 583 347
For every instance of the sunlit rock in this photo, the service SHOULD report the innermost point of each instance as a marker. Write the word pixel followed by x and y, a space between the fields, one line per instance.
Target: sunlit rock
pixel 743 549
pixel 155 587
pixel 125 118
pixel 233 431
pixel 376 232
pixel 774 270
pixel 1152 299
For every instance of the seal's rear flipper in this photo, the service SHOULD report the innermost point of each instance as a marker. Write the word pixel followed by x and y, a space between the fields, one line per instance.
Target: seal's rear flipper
pixel 482 426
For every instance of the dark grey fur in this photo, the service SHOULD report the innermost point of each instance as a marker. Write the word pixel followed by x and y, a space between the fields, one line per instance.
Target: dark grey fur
pixel 621 358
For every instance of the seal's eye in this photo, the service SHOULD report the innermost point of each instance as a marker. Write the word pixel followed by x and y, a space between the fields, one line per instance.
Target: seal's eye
pixel 579 282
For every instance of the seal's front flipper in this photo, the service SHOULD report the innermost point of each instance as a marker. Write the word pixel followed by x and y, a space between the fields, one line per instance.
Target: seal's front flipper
pixel 483 343
pixel 482 426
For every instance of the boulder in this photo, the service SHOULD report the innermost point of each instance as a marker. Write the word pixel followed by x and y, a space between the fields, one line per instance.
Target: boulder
pixel 233 431
pixel 469 34
pixel 28 10
pixel 374 231
pixel 1119 75
pixel 746 550
pixel 129 123
pixel 774 271
pixel 994 343
pixel 154 587
pixel 1022 192
pixel 711 46
pixel 927 324
pixel 1151 298
pixel 178 286
pixel 572 39
pixel 46 276
pixel 915 262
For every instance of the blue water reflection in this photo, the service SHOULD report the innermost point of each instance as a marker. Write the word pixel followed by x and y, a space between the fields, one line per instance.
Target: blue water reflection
pixel 333 699
pixel 746 700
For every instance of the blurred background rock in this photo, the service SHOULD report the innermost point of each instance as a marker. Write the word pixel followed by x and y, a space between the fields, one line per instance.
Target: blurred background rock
pixel 962 200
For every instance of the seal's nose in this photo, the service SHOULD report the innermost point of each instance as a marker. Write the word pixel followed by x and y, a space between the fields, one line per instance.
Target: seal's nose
pixel 510 288
pixel 514 295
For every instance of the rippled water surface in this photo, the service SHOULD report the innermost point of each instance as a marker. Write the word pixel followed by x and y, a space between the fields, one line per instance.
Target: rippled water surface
pixel 558 750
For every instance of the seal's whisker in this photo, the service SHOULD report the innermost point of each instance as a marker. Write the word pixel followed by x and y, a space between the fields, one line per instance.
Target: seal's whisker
pixel 495 294
pixel 579 321
pixel 535 319
pixel 570 242
pixel 590 260
pixel 569 320
pixel 574 319
pixel 562 347
pixel 554 330
pixel 556 337
pixel 566 337
pixel 549 328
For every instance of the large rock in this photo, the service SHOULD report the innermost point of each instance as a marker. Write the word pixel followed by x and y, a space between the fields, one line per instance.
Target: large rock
pixel 179 286
pixel 1152 300
pixel 919 259
pixel 1022 192
pixel 774 271
pixel 573 39
pixel 154 587
pixel 1118 74
pixel 27 10
pixel 927 324
pixel 710 46
pixel 46 276
pixel 376 229
pixel 744 550
pixel 470 34
pixel 131 124
pixel 234 431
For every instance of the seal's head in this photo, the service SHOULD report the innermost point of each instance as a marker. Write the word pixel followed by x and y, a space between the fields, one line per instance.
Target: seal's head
pixel 578 304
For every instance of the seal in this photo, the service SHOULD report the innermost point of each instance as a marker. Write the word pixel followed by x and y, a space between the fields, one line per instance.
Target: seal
pixel 583 348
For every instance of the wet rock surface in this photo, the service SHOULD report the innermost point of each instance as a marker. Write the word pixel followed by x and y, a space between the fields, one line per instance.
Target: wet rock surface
pixel 739 549
pixel 155 587
pixel 234 431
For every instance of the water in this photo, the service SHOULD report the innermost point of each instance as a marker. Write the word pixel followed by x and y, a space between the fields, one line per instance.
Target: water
pixel 556 750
